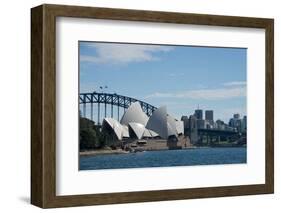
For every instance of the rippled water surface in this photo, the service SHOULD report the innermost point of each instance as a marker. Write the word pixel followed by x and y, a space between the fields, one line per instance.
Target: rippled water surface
pixel 187 157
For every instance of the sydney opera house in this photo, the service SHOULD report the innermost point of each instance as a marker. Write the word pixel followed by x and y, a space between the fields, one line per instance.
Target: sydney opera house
pixel 135 124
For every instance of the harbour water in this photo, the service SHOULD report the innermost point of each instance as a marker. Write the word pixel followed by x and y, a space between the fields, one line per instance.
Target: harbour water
pixel 184 157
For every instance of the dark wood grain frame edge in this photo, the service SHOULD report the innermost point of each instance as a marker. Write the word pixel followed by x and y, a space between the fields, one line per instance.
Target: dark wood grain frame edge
pixel 269 105
pixel 36 106
pixel 43 106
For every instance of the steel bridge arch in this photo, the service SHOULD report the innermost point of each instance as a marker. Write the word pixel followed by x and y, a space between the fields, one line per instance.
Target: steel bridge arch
pixel 111 99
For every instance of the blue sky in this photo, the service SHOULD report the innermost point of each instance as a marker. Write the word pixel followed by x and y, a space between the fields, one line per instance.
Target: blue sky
pixel 180 77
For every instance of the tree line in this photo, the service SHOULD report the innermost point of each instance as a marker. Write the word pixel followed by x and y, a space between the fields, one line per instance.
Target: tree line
pixel 90 137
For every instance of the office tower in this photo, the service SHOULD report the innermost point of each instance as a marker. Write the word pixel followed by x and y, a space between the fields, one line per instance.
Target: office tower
pixel 244 124
pixel 209 115
pixel 199 114
pixel 236 116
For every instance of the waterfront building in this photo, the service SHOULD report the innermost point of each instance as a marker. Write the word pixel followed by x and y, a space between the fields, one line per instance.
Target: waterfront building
pixel 193 130
pixel 209 115
pixel 220 125
pixel 136 124
pixel 215 126
pixel 236 122
pixel 185 121
pixel 209 124
pixel 113 128
pixel 199 114
pixel 134 114
pixel 201 124
pixel 231 122
pixel 244 124
pixel 236 116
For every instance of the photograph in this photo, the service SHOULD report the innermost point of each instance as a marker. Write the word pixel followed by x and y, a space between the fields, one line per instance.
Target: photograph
pixel 140 105
pixel 156 105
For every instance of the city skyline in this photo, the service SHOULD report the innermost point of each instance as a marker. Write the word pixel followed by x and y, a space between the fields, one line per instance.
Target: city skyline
pixel 204 116
pixel 180 77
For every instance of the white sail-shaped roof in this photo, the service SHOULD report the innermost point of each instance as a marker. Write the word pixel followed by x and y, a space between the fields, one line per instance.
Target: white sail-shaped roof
pixel 158 122
pixel 136 122
pixel 134 114
pixel 125 131
pixel 116 127
pixel 172 128
pixel 137 128
pixel 147 133
pixel 153 134
pixel 180 127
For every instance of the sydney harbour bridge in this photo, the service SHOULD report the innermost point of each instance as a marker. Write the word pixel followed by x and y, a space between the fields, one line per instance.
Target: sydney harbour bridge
pixel 107 102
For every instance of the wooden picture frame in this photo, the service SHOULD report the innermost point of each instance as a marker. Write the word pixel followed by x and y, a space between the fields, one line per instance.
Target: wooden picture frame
pixel 43 105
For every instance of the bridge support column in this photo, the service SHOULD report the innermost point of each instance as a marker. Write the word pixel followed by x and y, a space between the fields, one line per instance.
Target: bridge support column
pixel 84 110
pixel 92 116
pixel 118 112
pixel 218 139
pixel 111 110
pixel 98 113
pixel 212 140
pixel 124 102
pixel 105 114
pixel 118 104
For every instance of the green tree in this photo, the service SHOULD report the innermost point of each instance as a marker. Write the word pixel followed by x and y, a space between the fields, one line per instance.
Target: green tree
pixel 90 135
pixel 88 139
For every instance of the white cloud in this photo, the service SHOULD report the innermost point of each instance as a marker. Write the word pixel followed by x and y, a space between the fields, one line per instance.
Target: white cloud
pixel 123 53
pixel 235 83
pixel 204 94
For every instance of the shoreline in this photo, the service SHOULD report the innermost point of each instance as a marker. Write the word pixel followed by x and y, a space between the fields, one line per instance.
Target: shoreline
pixel 121 151
pixel 102 152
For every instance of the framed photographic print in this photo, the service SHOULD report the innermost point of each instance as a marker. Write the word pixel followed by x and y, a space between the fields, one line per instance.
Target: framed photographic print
pixel 137 106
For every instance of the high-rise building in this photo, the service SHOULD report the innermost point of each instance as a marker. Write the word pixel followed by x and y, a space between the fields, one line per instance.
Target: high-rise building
pixel 201 124
pixel 193 129
pixel 236 122
pixel 244 124
pixel 199 114
pixel 220 125
pixel 209 115
pixel 185 120
pixel 236 116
